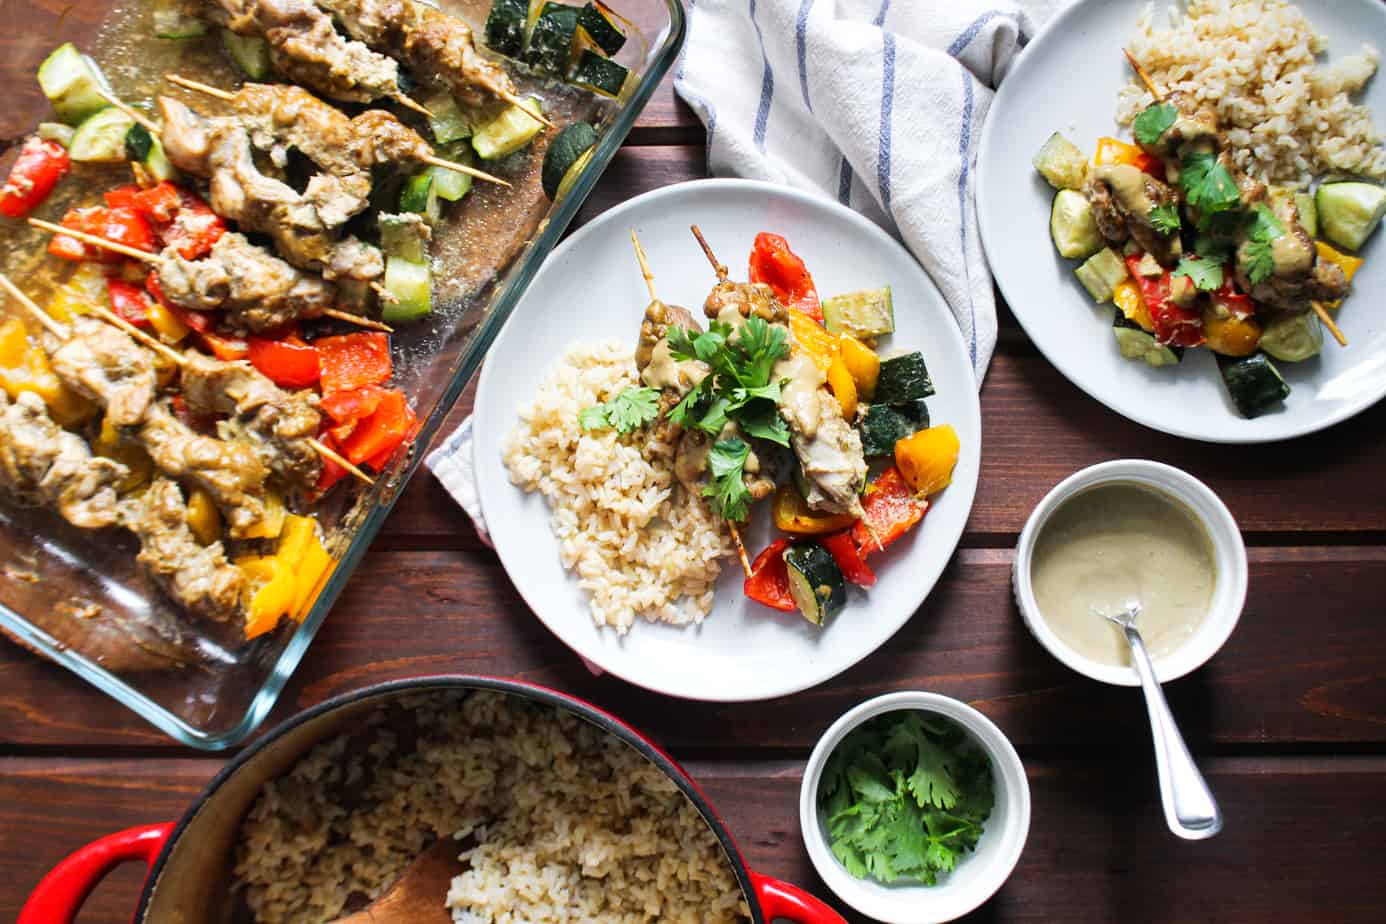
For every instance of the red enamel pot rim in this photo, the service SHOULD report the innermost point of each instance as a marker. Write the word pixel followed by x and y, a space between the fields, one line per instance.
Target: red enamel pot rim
pixel 57 899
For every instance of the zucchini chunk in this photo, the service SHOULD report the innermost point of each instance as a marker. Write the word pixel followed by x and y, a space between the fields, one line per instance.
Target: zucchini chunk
pixel 60 132
pixel 1101 273
pixel 404 235
pixel 602 32
pixel 868 313
pixel 250 53
pixel 147 150
pixel 448 121
pixel 1293 338
pixel 551 38
pixel 418 195
pixel 1254 383
pixel 1350 212
pixel 883 426
pixel 1072 226
pixel 507 132
pixel 902 379
pixel 72 82
pixel 177 19
pixel 411 284
pixel 566 149
pixel 1135 342
pixel 600 75
pixel 100 139
pixel 815 582
pixel 505 27
pixel 1061 163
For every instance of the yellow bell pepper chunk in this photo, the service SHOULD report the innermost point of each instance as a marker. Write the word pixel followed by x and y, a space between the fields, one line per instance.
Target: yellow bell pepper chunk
pixel 813 340
pixel 108 443
pixel 844 387
pixel 1127 298
pixel 1116 151
pixel 313 571
pixel 169 328
pixel 271 593
pixel 927 459
pixel 298 533
pixel 203 517
pixel 862 362
pixel 24 367
pixel 14 343
pixel 793 515
pixel 1346 262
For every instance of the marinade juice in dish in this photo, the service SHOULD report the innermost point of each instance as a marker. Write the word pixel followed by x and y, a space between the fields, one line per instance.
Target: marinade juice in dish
pixel 1115 543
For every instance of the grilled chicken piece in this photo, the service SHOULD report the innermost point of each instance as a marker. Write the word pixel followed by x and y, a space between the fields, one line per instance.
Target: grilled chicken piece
pixel 1122 199
pixel 43 464
pixel 746 299
pixel 690 462
pixel 104 364
pixel 279 424
pixel 827 446
pixel 306 48
pixel 659 369
pixel 196 576
pixel 1299 276
pixel 255 289
pixel 229 470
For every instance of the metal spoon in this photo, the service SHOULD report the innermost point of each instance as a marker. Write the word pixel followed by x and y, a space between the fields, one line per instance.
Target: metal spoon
pixel 1190 809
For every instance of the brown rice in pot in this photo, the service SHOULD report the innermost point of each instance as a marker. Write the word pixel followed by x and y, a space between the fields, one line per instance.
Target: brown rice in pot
pixel 1287 118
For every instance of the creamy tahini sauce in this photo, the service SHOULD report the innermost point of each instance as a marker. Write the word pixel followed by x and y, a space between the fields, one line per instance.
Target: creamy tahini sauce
pixel 1115 543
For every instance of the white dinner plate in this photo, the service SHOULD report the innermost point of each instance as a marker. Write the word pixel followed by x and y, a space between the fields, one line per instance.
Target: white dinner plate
pixel 1067 80
pixel 590 288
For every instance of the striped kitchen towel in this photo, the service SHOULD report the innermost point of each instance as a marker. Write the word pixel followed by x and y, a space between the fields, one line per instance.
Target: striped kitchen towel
pixel 878 104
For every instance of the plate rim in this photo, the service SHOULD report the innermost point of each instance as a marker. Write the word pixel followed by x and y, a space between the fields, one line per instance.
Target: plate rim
pixel 811 678
pixel 1059 23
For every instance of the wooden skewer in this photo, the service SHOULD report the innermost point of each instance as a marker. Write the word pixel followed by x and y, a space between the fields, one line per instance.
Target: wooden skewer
pixel 707 249
pixel 200 87
pixel 1144 76
pixel 518 103
pixel 54 326
pixel 644 266
pixel 1329 323
pixel 416 106
pixel 126 250
pixel 740 548
pixel 437 161
pixel 327 452
pixel 357 319
pixel 144 120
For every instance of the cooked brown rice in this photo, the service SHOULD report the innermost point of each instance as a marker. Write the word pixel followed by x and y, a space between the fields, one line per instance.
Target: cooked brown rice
pixel 570 823
pixel 640 545
pixel 1254 61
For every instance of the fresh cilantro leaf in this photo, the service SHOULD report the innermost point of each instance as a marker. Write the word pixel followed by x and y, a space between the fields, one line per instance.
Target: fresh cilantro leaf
pixel 727 462
pixel 1153 122
pixel 1207 184
pixel 630 410
pixel 760 344
pixel 1265 226
pixel 762 420
pixel 714 417
pixel 1165 218
pixel 1257 260
pixel 1212 248
pixel 1205 274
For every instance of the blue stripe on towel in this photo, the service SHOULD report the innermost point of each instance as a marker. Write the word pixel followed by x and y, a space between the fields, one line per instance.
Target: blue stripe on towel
pixel 801 48
pixel 887 104
pixel 844 184
pixel 970 33
pixel 880 17
pixel 964 144
pixel 767 86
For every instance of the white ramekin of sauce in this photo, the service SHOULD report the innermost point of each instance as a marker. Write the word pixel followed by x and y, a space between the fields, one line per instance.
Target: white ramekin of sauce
pixel 1131 529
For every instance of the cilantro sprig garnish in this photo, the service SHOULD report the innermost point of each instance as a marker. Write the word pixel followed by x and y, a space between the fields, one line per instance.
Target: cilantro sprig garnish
pixel 739 388
pixel 1258 257
pixel 630 410
pixel 1154 121
pixel 906 796
pixel 1205 274
pixel 1208 185
pixel 1165 218
pixel 727 489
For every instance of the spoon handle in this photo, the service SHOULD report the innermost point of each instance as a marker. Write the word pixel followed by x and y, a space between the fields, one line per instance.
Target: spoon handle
pixel 1190 809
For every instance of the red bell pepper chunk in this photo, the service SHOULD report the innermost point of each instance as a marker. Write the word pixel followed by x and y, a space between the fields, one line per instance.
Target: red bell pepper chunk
pixel 773 263
pixel 129 301
pixel 1238 305
pixel 347 407
pixel 122 196
pixel 39 167
pixel 121 224
pixel 1174 324
pixel 161 203
pixel 226 349
pixel 195 228
pixel 769 580
pixel 891 510
pixel 288 362
pixel 331 472
pixel 843 548
pixel 382 432
pixel 351 361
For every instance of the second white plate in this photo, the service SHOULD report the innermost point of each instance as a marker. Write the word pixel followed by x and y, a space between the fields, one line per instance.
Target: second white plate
pixel 590 288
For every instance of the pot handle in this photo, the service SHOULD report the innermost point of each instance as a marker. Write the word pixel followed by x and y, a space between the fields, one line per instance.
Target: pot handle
pixel 60 894
pixel 782 900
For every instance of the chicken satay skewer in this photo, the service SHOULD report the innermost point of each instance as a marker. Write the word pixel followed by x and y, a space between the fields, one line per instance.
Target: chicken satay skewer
pixel 432 159
pixel 140 118
pixel 650 286
pixel 62 333
pixel 154 259
pixel 1144 76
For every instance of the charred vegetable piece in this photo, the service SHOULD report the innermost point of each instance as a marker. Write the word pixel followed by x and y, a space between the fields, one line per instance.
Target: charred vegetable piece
pixel 604 33
pixel 100 139
pixel 1254 383
pixel 598 74
pixel 883 426
pixel 815 582
pixel 849 558
pixel 1101 274
pixel 411 284
pixel 507 132
pixel 768 582
pixel 793 515
pixel 505 27
pixel 551 38
pixel 868 313
pixel 37 169
pixel 565 150
pixel 926 460
pixel 250 53
pixel 1061 163
pixel 903 378
pixel 891 511
pixel 1348 213
pixel 1073 227
pixel 177 19
pixel 1135 342
pixel 72 84
pixel 1293 338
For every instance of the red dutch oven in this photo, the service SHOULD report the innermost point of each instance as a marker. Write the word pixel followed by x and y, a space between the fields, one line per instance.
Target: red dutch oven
pixel 190 862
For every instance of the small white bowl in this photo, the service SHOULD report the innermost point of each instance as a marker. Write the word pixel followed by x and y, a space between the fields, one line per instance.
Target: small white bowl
pixel 1229 554
pixel 979 875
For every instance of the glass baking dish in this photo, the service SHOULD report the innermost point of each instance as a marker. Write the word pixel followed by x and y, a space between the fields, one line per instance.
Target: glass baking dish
pixel 76 596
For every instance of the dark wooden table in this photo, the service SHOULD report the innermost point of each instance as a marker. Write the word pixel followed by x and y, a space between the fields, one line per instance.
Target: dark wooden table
pixel 1289 721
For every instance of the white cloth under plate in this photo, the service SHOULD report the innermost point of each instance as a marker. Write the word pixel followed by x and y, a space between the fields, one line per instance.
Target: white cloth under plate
pixel 876 103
